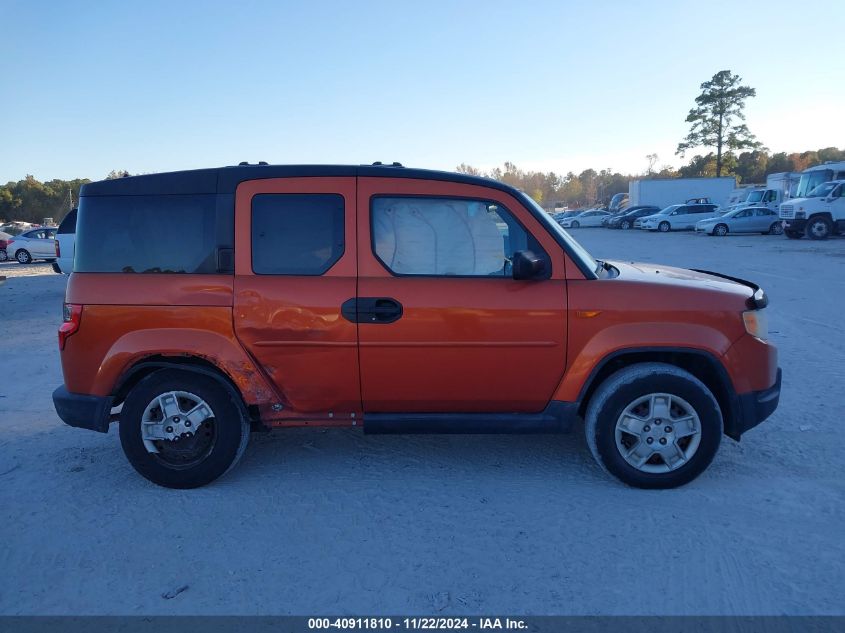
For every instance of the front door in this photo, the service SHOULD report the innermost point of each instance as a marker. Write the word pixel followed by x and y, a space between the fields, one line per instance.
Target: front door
pixel 443 326
pixel 295 266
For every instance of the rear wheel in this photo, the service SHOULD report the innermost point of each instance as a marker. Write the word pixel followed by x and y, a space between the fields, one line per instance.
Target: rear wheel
pixel 721 230
pixel 625 225
pixel 776 228
pixel 819 228
pixel 3 255
pixel 653 425
pixel 181 429
pixel 23 256
pixel 663 227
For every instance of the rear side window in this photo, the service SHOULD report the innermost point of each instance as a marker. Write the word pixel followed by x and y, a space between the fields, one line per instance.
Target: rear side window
pixel 146 234
pixel 68 225
pixel 296 234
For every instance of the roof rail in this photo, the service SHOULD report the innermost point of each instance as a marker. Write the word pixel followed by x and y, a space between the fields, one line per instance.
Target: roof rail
pixel 378 163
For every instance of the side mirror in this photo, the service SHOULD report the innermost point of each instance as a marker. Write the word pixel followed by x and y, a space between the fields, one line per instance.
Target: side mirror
pixel 526 265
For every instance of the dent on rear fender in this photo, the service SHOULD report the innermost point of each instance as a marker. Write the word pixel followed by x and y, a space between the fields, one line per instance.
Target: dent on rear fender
pixel 223 352
pixel 586 355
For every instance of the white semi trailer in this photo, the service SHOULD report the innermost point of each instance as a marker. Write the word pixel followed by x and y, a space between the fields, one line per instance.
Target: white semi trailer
pixel 662 192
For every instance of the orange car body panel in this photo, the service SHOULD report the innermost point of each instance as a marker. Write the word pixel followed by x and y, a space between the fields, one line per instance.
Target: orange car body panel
pixel 462 344
pixel 292 325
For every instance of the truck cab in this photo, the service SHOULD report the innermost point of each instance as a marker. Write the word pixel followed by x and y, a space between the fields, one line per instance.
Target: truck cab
pixel 818 215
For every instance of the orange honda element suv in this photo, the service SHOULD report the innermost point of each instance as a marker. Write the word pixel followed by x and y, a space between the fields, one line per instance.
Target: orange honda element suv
pixel 207 304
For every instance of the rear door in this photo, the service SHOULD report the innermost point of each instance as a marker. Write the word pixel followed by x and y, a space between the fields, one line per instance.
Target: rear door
pixel 295 266
pixel 763 220
pixel 444 327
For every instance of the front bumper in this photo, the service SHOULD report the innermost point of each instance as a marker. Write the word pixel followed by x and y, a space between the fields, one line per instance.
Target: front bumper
pixel 750 409
pixel 83 411
pixel 795 224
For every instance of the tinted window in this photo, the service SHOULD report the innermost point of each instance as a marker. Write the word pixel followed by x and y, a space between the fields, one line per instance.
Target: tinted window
pixel 68 225
pixel 146 234
pixel 296 234
pixel 447 237
pixel 765 212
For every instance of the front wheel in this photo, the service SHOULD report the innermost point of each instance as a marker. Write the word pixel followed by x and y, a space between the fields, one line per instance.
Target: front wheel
pixel 721 230
pixel 575 224
pixel 663 227
pixel 3 255
pixel 819 228
pixel 625 225
pixel 181 429
pixel 653 425
pixel 793 235
pixel 23 256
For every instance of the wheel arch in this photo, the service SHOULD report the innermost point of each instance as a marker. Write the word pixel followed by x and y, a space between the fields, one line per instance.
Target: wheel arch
pixel 700 363
pixel 149 365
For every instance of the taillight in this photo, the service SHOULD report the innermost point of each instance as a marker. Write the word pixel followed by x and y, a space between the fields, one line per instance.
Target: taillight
pixel 58 249
pixel 72 315
pixel 9 242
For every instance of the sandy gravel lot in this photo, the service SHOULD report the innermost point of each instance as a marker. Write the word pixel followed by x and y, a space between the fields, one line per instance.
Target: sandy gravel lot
pixel 337 522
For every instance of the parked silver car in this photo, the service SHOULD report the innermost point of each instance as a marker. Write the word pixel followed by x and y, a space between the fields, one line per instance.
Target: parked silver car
pixel 748 220
pixel 34 244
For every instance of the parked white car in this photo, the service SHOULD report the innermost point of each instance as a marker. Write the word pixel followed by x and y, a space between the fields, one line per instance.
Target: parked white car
pixel 678 217
pixel 592 217
pixel 33 244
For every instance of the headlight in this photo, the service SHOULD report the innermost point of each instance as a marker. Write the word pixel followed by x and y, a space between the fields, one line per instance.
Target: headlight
pixel 756 323
pixel 800 214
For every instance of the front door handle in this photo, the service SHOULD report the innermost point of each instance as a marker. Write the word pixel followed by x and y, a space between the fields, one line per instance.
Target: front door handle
pixel 375 310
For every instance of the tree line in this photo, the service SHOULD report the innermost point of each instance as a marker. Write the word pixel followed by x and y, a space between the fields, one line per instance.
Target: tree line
pixel 30 200
pixel 592 187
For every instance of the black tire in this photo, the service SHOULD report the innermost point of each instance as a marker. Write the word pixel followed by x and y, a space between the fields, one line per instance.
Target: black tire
pixel 776 228
pixel 23 256
pixel 793 235
pixel 3 255
pixel 721 230
pixel 664 227
pixel 229 425
pixel 818 228
pixel 625 386
pixel 625 225
pixel 575 224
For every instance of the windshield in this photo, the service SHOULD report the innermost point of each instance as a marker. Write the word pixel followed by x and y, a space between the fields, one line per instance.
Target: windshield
pixel 577 251
pixel 822 190
pixel 811 180
pixel 669 209
pixel 754 196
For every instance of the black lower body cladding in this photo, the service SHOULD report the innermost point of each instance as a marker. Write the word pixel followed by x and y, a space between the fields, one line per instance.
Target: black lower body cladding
pixel 83 411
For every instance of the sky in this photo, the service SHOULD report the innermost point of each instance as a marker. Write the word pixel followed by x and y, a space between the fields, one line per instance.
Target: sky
pixel 147 86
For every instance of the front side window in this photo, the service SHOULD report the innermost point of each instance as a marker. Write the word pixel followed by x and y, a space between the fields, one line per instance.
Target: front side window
pixel 296 234
pixel 448 237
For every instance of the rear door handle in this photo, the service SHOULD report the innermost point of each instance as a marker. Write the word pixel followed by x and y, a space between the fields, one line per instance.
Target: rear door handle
pixel 375 310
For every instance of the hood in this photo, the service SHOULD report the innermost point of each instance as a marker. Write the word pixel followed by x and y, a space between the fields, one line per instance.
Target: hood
pixel 746 293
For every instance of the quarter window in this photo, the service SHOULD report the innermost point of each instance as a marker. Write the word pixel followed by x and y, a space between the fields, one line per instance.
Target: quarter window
pixel 448 237
pixel 296 234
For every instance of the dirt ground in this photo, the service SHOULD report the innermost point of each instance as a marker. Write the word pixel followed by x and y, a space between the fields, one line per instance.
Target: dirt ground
pixel 337 522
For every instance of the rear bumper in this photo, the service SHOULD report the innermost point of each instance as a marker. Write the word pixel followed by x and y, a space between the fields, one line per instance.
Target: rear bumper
pixel 83 411
pixel 750 409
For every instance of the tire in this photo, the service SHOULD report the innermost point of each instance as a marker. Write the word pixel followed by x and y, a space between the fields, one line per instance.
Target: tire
pixel 23 256
pixel 644 382
pixel 664 227
pixel 819 228
pixel 575 224
pixel 625 225
pixel 775 229
pixel 793 235
pixel 3 255
pixel 210 452
pixel 721 230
